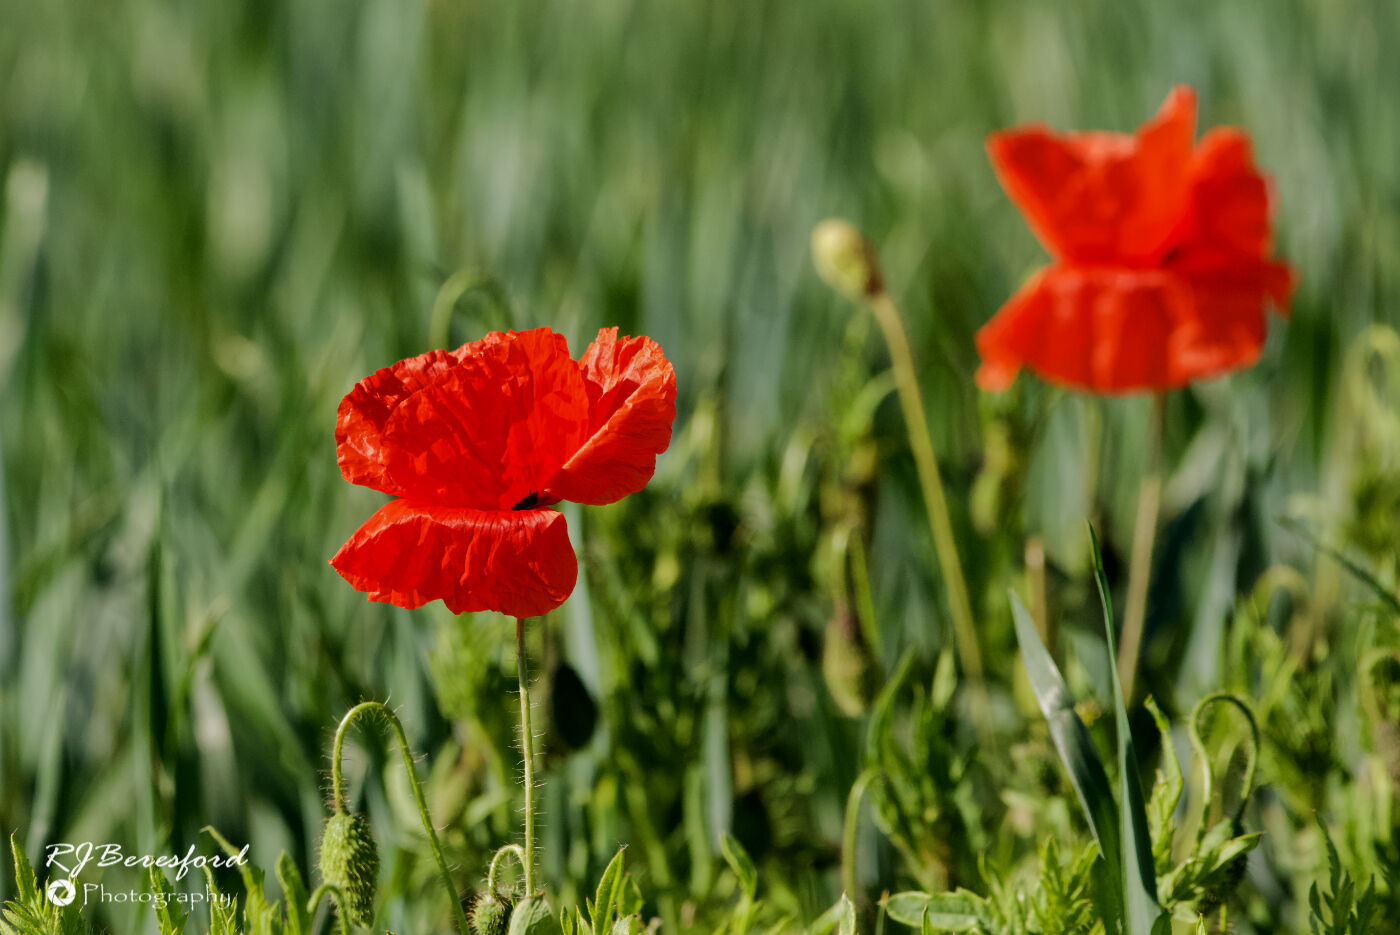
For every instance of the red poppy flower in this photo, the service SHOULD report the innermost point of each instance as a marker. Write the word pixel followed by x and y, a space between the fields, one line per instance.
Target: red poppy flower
pixel 1160 245
pixel 476 444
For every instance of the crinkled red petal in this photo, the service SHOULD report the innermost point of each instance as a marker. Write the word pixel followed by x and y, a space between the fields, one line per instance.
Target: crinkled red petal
pixel 1109 330
pixel 1102 197
pixel 632 404
pixel 484 426
pixel 515 562
pixel 1227 233
pixel 1228 326
pixel 493 429
pixel 361 447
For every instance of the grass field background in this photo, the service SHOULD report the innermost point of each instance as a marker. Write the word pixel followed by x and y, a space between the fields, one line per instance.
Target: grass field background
pixel 216 217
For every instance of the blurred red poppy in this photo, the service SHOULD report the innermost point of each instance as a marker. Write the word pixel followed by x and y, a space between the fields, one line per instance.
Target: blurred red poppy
pixel 476 444
pixel 1160 245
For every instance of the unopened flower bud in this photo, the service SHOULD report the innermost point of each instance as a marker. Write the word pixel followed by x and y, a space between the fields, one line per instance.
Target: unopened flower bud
pixel 846 260
pixel 350 861
pixel 490 915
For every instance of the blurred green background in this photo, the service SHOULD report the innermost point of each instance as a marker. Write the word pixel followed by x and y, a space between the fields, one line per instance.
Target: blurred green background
pixel 216 217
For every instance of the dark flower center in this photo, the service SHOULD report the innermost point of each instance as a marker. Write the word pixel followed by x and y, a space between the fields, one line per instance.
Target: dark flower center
pixel 529 502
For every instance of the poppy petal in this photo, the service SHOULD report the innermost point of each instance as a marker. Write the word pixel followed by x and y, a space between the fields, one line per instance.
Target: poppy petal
pixel 491 430
pixel 1100 329
pixel 632 404
pixel 1096 197
pixel 361 448
pixel 1227 328
pixel 1229 219
pixel 515 562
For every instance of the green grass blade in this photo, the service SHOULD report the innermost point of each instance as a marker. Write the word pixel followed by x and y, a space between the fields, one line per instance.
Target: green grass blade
pixel 1382 592
pixel 1072 741
pixel 1141 911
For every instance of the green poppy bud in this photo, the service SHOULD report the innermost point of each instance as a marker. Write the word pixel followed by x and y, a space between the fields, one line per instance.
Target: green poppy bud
pixel 846 260
pixel 350 861
pixel 490 916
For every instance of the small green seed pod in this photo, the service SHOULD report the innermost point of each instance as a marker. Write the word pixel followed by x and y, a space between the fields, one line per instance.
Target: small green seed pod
pixel 490 916
pixel 350 860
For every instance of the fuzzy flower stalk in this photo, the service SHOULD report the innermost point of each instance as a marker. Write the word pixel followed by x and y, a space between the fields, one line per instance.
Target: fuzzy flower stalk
pixel 475 447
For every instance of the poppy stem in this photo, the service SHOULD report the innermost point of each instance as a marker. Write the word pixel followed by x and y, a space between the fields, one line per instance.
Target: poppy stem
pixel 338 791
pixel 335 892
pixel 926 462
pixel 527 749
pixel 1144 536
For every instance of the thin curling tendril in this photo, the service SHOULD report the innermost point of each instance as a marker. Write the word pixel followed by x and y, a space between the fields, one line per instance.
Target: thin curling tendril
pixel 1208 779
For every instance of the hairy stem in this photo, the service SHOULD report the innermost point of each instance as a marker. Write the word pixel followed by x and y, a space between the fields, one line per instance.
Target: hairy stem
pixel 320 893
pixel 528 752
pixel 1144 536
pixel 338 792
pixel 510 850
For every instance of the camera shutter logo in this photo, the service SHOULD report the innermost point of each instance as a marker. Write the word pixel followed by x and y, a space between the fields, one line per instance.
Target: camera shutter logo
pixel 61 892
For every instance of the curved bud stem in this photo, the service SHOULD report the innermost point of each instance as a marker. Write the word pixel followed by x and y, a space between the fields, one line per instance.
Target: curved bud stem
pixel 338 792
pixel 1207 778
pixel 510 850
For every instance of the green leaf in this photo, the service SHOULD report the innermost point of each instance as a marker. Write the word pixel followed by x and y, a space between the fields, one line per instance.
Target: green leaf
pixel 532 916
pixel 630 900
pixel 1388 596
pixel 882 712
pixel 170 915
pixel 294 895
pixel 959 911
pixel 222 916
pixel 252 876
pixel 841 918
pixel 1141 911
pixel 25 884
pixel 1166 793
pixel 1071 737
pixel 1207 867
pixel 603 910
pixel 740 862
